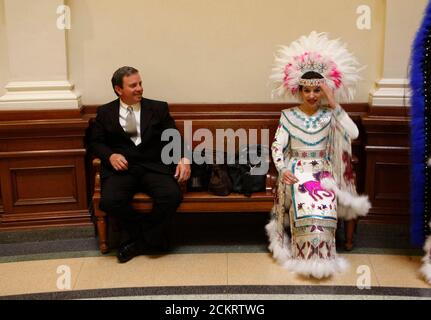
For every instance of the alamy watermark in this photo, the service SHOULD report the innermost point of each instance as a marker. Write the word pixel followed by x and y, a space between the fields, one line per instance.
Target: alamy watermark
pixel 64 280
pixel 64 18
pixel 363 22
pixel 364 279
pixel 248 153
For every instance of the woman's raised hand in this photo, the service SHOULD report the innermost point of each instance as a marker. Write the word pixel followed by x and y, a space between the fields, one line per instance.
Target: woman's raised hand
pixel 329 93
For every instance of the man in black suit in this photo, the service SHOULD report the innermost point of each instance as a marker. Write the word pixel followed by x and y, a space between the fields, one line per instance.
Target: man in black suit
pixel 127 138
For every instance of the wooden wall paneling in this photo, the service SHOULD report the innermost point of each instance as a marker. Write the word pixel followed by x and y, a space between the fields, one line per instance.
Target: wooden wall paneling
pixel 387 176
pixel 42 169
pixel 1 202
pixel 49 180
pixel 387 183
pixel 6 187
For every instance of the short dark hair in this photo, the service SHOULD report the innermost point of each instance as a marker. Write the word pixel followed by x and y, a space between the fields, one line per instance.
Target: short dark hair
pixel 310 75
pixel 119 74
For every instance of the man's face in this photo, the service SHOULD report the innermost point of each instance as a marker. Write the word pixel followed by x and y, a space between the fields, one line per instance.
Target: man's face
pixel 132 90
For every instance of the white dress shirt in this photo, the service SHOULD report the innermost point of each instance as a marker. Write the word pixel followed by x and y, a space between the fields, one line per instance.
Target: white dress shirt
pixel 123 114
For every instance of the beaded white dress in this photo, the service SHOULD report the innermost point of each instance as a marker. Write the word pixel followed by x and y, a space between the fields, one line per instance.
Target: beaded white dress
pixel 307 208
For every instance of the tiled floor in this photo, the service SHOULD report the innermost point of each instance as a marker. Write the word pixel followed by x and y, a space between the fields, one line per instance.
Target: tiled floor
pixel 205 270
pixel 202 266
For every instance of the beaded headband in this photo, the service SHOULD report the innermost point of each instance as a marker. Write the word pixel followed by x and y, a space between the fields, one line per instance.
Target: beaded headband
pixel 311 82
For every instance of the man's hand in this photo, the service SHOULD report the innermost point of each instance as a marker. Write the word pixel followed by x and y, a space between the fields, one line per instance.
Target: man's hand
pixel 182 173
pixel 329 95
pixel 289 178
pixel 118 162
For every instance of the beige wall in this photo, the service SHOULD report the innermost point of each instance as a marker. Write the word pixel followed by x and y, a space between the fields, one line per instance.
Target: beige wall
pixel 37 45
pixel 4 62
pixel 404 19
pixel 207 50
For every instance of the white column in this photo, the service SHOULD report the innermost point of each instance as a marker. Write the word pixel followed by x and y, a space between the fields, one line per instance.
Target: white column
pixel 403 19
pixel 36 47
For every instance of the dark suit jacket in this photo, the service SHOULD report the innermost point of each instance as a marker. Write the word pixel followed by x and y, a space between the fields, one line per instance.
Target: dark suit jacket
pixel 108 137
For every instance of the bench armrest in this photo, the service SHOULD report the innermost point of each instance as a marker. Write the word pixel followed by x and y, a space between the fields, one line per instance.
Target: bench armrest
pixel 271 179
pixel 96 169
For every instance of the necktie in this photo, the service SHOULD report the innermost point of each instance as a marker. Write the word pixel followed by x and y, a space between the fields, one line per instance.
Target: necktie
pixel 131 122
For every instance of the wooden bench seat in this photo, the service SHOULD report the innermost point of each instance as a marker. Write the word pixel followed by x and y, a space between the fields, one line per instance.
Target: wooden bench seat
pixel 206 202
pixel 193 202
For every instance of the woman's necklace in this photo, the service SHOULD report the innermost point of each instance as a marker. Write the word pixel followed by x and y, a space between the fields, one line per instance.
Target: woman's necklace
pixel 310 120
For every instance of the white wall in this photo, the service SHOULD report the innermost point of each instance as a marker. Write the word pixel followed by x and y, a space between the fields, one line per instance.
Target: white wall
pixel 4 62
pixel 38 46
pixel 208 50
pixel 405 19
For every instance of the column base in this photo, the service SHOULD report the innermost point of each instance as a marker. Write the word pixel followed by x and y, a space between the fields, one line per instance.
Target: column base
pixel 391 92
pixel 40 95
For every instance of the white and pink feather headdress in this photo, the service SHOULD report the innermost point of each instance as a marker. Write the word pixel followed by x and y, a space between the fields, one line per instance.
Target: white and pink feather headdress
pixel 317 53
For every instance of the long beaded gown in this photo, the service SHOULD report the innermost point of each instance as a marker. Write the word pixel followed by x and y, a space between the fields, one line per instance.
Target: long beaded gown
pixel 307 208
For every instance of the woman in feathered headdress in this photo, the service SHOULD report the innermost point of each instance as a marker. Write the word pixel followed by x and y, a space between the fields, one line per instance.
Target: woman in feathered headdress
pixel 312 153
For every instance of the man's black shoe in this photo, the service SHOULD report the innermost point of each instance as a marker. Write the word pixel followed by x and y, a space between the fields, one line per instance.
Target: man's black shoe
pixel 128 251
pixel 160 247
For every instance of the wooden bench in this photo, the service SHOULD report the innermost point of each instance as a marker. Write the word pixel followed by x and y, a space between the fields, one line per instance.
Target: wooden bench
pixel 212 118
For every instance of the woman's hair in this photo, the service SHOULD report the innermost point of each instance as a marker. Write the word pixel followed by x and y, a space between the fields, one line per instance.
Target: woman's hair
pixel 310 75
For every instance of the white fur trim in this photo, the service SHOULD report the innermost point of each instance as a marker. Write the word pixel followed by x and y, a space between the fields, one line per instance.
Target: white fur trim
pixel 320 268
pixel 280 251
pixel 426 267
pixel 426 272
pixel 427 245
pixel 355 206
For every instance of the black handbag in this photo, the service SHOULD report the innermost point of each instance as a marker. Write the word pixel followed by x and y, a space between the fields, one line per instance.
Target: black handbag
pixel 212 175
pixel 248 176
pixel 236 173
pixel 220 183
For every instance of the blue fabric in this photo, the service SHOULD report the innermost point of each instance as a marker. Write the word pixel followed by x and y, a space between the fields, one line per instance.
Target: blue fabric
pixel 418 134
